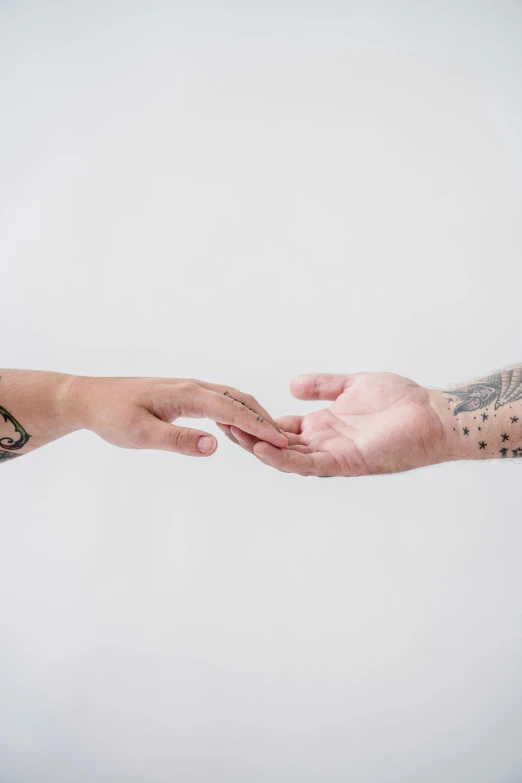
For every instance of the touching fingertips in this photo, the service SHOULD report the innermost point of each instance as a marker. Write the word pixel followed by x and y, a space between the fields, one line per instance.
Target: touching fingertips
pixel 282 441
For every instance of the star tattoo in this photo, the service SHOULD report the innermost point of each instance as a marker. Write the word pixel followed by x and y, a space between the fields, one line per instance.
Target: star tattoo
pixel 517 452
pixel 465 431
pixel 482 445
pixel 503 452
pixel 505 437
pixel 514 419
pixel 450 399
pixel 485 417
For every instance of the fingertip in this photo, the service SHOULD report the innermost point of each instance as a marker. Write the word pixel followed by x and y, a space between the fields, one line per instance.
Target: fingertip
pixel 284 441
pixel 262 449
pixel 258 451
pixel 279 441
pixel 296 385
pixel 282 444
pixel 207 445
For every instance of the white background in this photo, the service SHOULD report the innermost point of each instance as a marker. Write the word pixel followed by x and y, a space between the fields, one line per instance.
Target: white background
pixel 240 192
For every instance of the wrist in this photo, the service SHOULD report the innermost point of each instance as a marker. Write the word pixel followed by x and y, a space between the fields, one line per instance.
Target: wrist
pixel 450 444
pixel 72 402
pixel 38 401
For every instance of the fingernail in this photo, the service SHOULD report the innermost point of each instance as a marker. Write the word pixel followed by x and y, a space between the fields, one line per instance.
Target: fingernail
pixel 206 444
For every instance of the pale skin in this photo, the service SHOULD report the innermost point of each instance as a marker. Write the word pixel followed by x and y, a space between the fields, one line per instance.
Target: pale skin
pixel 376 422
pixel 137 413
pixel 385 423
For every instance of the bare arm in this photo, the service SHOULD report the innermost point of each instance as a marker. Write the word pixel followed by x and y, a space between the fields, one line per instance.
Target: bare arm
pixel 39 407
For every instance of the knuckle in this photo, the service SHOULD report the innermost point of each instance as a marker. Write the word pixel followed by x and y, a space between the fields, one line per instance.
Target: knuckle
pixel 187 387
pixel 180 439
pixel 318 384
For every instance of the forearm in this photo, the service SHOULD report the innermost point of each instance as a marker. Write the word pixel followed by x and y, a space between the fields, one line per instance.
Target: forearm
pixel 483 419
pixel 33 410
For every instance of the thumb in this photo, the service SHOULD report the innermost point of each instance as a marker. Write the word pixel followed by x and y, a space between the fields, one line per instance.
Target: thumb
pixel 320 386
pixel 183 440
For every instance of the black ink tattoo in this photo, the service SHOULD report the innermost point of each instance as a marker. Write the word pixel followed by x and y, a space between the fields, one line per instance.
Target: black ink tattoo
pixel 505 437
pixel 259 418
pixel 504 453
pixel 514 419
pixel 7 455
pixel 482 445
pixel 498 389
pixel 465 431
pixel 8 443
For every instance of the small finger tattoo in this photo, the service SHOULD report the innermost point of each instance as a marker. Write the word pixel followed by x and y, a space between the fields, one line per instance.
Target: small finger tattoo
pixel 259 418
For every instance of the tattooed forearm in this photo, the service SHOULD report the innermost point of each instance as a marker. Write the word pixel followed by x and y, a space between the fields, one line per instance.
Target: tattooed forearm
pixel 486 413
pixel 497 390
pixel 7 455
pixel 8 443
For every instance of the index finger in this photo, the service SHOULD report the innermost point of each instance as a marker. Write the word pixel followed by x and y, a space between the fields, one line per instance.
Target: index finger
pixel 224 409
pixel 246 399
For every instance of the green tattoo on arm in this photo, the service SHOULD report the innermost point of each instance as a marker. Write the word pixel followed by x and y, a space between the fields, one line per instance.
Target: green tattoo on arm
pixel 7 443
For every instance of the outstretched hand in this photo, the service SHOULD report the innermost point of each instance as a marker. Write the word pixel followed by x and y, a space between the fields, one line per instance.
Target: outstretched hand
pixel 137 413
pixel 377 423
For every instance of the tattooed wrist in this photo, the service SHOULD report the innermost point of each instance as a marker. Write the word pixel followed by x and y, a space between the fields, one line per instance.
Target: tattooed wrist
pixel 497 390
pixel 487 415
pixel 34 410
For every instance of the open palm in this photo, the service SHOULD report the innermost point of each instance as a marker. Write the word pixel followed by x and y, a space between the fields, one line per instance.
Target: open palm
pixel 377 423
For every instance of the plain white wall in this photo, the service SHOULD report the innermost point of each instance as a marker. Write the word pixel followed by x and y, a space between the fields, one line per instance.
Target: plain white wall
pixel 241 192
